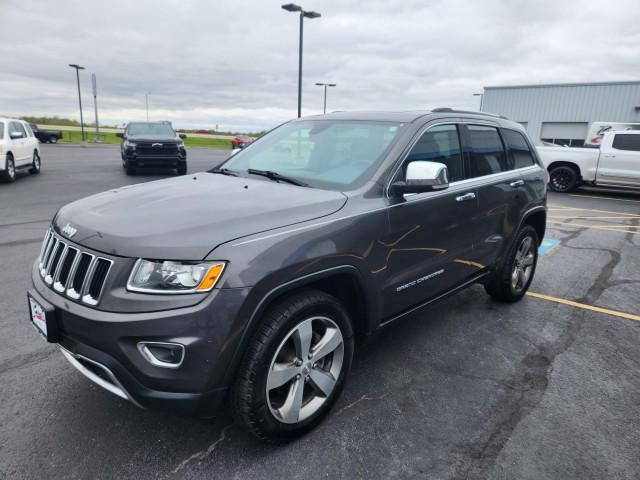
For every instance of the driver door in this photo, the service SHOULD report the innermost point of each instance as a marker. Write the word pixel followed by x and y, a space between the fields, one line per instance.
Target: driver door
pixel 430 239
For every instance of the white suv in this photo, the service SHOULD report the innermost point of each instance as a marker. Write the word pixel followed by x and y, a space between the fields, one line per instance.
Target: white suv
pixel 19 149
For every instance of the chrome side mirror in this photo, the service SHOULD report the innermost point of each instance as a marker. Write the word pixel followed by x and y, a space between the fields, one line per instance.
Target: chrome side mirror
pixel 422 176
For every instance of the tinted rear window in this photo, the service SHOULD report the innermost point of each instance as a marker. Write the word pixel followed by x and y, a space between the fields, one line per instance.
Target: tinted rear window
pixel 519 152
pixel 626 142
pixel 486 153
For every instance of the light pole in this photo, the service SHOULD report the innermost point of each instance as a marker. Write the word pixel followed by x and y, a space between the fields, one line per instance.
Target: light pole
pixel 481 95
pixel 78 68
pixel 325 85
pixel 292 7
pixel 146 102
pixel 95 104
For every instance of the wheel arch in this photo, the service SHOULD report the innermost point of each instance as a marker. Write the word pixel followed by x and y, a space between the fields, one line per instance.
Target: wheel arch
pixel 565 163
pixel 345 282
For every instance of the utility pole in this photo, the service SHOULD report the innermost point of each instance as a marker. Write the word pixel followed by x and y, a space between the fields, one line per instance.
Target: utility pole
pixel 146 101
pixel 95 104
pixel 325 85
pixel 78 68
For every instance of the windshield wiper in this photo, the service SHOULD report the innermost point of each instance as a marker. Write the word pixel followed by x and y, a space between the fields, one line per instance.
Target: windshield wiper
pixel 277 177
pixel 224 171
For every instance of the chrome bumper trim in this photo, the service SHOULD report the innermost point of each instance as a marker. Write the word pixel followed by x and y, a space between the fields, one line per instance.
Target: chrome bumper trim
pixel 115 387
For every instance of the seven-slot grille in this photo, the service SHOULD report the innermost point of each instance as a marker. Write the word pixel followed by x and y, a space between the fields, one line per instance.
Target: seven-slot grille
pixel 75 273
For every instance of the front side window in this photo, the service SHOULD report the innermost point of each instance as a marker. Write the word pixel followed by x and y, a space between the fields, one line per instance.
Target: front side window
pixel 520 154
pixel 28 130
pixel 440 144
pixel 626 142
pixel 331 154
pixel 16 127
pixel 486 152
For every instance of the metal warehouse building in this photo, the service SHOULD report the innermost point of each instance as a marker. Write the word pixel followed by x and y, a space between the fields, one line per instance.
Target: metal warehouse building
pixel 564 111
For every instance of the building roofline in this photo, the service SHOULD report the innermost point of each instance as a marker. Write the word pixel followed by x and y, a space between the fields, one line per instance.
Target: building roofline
pixel 551 85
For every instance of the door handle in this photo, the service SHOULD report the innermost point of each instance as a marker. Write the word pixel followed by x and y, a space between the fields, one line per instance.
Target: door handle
pixel 517 183
pixel 465 197
pixel 609 156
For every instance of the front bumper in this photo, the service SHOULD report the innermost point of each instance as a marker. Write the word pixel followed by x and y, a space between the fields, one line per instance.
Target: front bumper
pixel 135 159
pixel 103 346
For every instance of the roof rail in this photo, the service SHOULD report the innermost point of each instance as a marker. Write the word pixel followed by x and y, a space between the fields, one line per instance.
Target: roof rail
pixel 452 110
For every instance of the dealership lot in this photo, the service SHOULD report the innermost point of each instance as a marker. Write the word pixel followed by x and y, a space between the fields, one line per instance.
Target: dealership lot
pixel 469 388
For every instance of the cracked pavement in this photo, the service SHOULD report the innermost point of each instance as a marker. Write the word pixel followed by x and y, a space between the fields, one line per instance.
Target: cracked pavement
pixel 467 388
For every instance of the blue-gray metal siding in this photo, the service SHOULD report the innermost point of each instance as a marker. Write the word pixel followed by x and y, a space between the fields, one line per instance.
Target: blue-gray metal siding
pixel 609 102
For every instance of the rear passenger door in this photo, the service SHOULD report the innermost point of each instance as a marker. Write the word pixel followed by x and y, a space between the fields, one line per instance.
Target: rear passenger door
pixel 500 190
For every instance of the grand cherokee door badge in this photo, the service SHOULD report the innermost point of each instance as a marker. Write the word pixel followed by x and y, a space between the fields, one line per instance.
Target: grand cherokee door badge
pixel 419 280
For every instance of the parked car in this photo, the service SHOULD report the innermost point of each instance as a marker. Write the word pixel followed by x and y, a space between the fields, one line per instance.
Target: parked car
pixel 46 136
pixel 152 144
pixel 241 141
pixel 19 149
pixel 595 133
pixel 616 164
pixel 256 281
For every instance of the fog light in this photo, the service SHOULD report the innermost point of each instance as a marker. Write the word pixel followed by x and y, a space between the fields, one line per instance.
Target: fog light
pixel 162 354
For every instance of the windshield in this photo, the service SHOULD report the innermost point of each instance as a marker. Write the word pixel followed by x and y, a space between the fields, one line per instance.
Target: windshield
pixel 331 154
pixel 162 130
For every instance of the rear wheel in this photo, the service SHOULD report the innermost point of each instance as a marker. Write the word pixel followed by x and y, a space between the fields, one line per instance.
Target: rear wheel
pixel 35 164
pixel 563 178
pixel 9 174
pixel 294 367
pixel 53 139
pixel 512 280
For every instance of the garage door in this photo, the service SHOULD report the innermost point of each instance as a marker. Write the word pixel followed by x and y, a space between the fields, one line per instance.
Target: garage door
pixel 564 133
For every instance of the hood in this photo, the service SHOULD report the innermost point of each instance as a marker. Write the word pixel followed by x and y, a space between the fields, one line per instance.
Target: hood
pixel 184 218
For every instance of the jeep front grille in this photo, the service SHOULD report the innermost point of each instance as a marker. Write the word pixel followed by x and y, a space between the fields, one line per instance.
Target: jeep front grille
pixel 72 272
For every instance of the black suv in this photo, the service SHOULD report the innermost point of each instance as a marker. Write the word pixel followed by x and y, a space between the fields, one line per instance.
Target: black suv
pixel 154 145
pixel 254 281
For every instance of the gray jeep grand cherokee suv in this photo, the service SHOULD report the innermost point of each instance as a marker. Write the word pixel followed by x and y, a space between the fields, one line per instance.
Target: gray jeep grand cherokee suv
pixel 254 281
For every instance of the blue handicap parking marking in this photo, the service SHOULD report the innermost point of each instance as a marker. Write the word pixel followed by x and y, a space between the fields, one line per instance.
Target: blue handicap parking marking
pixel 547 244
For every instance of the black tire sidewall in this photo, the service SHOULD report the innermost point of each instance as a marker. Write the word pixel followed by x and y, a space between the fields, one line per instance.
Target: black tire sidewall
pixel 271 428
pixel 573 182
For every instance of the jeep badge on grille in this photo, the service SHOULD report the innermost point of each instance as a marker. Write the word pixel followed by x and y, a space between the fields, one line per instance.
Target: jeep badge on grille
pixel 69 231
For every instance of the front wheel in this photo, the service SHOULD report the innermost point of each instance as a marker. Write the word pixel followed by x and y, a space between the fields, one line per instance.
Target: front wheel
pixel 511 281
pixel 9 174
pixel 563 179
pixel 35 164
pixel 294 367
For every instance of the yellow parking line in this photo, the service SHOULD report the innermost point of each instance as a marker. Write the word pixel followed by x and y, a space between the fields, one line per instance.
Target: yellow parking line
pixel 596 217
pixel 604 198
pixel 584 306
pixel 562 208
pixel 613 228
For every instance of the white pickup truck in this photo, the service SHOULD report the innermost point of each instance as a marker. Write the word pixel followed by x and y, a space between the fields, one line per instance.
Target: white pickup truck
pixel 615 164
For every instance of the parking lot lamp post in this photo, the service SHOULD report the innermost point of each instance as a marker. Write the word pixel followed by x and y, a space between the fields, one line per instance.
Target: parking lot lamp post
pixel 325 85
pixel 292 7
pixel 78 68
pixel 146 102
pixel 481 95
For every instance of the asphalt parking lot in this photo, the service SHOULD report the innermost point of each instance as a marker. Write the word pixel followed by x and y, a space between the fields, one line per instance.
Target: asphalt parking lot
pixel 548 388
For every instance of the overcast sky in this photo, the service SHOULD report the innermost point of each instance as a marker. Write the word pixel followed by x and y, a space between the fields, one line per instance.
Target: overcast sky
pixel 234 63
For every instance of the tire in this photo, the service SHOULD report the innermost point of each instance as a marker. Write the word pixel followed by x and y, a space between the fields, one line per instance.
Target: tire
pixel 35 164
pixel 182 170
pixel 9 174
pixel 563 179
pixel 521 263
pixel 129 170
pixel 53 140
pixel 260 395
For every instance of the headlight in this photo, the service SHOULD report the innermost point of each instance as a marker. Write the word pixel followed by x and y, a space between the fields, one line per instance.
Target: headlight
pixel 180 144
pixel 157 276
pixel 128 144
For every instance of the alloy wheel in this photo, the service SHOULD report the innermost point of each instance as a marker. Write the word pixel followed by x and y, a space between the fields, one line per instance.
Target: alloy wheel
pixel 305 369
pixel 523 264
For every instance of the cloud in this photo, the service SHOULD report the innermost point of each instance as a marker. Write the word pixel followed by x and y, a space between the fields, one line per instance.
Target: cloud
pixel 234 63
